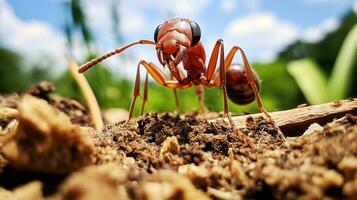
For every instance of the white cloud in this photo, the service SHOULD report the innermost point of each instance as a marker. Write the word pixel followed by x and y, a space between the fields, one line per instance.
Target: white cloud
pixel 228 5
pixel 32 39
pixel 99 14
pixel 133 13
pixel 175 7
pixel 232 5
pixel 354 7
pixel 185 7
pixel 324 1
pixel 316 33
pixel 262 35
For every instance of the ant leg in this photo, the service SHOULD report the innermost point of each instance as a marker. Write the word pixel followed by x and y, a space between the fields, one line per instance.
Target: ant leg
pixel 211 68
pixel 199 92
pixel 158 76
pixel 176 100
pixel 211 73
pixel 145 95
pixel 222 75
pixel 177 103
pixel 241 135
pixel 136 92
pixel 251 82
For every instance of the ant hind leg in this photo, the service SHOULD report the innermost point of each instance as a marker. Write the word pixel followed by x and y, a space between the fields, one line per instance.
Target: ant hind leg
pixel 250 77
pixel 211 73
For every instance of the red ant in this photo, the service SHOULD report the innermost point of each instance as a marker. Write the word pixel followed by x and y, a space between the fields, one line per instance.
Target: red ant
pixel 178 41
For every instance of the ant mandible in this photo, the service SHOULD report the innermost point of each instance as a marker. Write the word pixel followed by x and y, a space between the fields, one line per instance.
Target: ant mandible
pixel 178 41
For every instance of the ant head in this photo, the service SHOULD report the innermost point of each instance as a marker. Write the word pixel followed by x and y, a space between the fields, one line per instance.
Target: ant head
pixel 183 26
pixel 175 34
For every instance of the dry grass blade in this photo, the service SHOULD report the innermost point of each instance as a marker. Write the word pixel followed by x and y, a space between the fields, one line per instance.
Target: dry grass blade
pixel 87 93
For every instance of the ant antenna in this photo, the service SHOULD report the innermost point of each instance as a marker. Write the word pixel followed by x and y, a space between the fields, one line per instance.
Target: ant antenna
pixel 95 61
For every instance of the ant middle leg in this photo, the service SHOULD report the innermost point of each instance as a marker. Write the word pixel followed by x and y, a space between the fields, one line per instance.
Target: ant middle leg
pixel 145 95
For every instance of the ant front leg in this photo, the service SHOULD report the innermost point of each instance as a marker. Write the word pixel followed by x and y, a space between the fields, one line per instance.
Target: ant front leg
pixel 158 76
pixel 199 93
pixel 135 93
pixel 177 102
pixel 211 73
pixel 250 78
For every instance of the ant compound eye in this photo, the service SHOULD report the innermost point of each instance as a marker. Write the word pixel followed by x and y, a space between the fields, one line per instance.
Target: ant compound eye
pixel 157 32
pixel 196 33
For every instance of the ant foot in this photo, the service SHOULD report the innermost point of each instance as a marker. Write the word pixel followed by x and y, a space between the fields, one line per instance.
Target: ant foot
pixel 245 139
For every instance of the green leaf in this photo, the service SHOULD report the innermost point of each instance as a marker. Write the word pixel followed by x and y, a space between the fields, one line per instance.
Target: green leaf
pixel 341 75
pixel 310 79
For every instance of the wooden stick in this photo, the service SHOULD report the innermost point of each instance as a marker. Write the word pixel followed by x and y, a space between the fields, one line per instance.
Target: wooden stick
pixel 295 121
pixel 87 93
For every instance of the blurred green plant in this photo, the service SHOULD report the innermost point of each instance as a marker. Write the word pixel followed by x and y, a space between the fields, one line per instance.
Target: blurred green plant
pixel 13 77
pixel 17 74
pixel 77 20
pixel 115 14
pixel 315 84
pixel 324 52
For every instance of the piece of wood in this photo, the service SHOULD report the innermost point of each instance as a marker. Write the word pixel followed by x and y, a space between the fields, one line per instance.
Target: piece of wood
pixel 295 121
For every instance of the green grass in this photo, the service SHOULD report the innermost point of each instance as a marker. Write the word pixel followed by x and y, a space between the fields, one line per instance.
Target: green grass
pixel 317 86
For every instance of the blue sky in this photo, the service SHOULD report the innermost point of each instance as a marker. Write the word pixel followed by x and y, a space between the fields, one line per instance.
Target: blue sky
pixel 302 12
pixel 261 27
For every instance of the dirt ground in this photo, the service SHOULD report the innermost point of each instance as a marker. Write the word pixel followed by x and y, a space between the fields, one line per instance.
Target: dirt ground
pixel 49 150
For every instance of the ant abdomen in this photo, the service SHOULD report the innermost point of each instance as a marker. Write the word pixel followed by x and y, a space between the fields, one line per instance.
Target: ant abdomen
pixel 238 89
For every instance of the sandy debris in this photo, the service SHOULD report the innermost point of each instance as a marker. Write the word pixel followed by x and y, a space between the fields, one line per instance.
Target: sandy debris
pixel 32 190
pixel 46 140
pixel 111 181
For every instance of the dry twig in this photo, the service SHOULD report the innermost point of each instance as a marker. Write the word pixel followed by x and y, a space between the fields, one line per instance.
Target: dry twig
pixel 87 93
pixel 295 121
